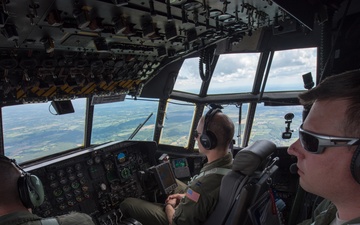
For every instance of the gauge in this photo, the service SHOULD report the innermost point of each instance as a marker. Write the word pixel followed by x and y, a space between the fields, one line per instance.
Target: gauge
pixel 72 177
pixel 90 162
pixel 51 176
pixel 79 174
pixel 66 188
pixel 69 169
pixel 47 213
pixel 82 181
pixel 86 195
pixel 85 188
pixel 68 196
pixel 63 180
pixel 54 184
pixel 60 173
pixel 75 184
pixel 121 157
pixel 79 198
pixel 71 202
pixel 97 159
pixel 108 165
pixel 57 192
pixel 62 206
pixel 77 192
pixel 77 166
pixel 125 173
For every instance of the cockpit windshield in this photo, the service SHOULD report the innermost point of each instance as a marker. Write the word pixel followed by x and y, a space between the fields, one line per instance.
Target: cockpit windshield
pixel 40 132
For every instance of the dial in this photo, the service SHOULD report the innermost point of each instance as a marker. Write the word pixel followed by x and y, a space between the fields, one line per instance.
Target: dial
pixel 54 184
pixel 90 162
pixel 60 173
pixel 51 176
pixel 97 159
pixel 108 165
pixel 69 169
pixel 77 166
pixel 125 173
pixel 121 157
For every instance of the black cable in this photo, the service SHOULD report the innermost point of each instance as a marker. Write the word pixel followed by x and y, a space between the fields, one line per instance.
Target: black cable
pixel 206 57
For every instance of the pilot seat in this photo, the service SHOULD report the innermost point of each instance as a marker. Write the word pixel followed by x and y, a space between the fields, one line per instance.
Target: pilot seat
pixel 244 192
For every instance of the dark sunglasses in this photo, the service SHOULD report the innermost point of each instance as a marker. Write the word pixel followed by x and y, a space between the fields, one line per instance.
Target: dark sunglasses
pixel 196 134
pixel 316 143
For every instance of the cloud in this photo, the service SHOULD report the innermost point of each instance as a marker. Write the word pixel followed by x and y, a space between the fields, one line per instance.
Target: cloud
pixel 237 71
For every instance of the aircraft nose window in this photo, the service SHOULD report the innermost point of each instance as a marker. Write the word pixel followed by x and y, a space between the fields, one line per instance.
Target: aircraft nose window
pixel 234 73
pixel 31 131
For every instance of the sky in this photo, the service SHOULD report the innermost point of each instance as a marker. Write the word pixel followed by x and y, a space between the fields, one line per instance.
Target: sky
pixel 237 72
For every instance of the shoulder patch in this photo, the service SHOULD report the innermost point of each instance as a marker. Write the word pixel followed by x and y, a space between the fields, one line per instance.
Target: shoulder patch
pixel 192 195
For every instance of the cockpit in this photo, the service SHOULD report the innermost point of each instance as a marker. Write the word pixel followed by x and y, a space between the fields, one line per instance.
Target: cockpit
pixel 101 98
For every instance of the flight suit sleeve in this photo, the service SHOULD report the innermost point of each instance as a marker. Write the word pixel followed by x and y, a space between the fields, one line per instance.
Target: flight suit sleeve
pixel 324 213
pixel 75 218
pixel 196 206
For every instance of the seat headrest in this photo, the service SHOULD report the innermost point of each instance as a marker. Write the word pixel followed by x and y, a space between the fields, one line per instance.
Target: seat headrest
pixel 250 158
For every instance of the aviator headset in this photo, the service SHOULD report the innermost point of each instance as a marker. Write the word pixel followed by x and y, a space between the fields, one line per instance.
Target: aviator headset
pixel 208 138
pixel 30 188
pixel 355 165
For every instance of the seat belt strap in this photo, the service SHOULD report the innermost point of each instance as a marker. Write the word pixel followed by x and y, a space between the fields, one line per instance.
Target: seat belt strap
pixel 217 170
pixel 220 171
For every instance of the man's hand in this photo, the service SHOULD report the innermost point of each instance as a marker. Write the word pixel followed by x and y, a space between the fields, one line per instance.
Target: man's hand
pixel 171 202
pixel 174 199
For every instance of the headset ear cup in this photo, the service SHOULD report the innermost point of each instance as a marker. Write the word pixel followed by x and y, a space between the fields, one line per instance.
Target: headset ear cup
pixel 355 165
pixel 205 141
pixel 31 190
pixel 23 192
pixel 36 190
pixel 212 137
pixel 208 140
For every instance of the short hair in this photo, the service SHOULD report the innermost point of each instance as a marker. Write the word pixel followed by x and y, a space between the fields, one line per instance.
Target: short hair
pixel 344 86
pixel 9 176
pixel 223 128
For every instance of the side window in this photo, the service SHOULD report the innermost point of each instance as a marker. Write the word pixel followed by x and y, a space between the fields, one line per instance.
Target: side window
pixel 34 130
pixel 269 124
pixel 233 112
pixel 287 69
pixel 177 123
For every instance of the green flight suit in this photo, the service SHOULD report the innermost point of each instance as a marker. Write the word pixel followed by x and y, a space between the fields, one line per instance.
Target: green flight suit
pixel 27 218
pixel 325 213
pixel 200 201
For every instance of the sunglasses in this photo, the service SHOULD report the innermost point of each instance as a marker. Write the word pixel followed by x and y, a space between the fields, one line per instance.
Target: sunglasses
pixel 316 143
pixel 196 134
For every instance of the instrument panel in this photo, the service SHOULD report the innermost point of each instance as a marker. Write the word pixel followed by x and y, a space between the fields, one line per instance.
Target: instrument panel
pixel 96 180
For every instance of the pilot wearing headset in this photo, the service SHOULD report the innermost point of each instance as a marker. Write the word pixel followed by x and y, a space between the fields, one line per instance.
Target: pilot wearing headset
pixel 328 149
pixel 214 134
pixel 20 192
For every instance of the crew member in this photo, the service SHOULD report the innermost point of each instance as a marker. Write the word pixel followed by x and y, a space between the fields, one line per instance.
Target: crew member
pixel 214 133
pixel 20 191
pixel 328 152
